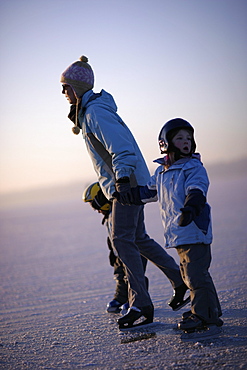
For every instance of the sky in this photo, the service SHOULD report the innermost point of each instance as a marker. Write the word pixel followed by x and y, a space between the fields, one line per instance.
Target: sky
pixel 159 59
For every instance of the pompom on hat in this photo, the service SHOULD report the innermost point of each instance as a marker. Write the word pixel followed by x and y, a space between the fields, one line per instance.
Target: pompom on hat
pixel 79 75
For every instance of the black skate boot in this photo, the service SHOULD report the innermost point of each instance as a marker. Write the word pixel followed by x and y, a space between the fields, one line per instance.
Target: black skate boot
pixel 177 301
pixel 114 306
pixel 191 324
pixel 124 308
pixel 187 314
pixel 136 317
pixel 219 322
pixel 194 328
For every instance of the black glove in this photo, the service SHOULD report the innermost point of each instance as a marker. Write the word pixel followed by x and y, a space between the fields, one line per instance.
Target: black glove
pixel 136 197
pixel 187 216
pixel 123 194
pixel 193 205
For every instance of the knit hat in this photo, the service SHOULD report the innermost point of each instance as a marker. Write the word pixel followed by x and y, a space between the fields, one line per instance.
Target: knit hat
pixel 79 75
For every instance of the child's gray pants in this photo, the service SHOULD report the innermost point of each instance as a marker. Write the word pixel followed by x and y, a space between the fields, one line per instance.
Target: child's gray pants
pixel 195 261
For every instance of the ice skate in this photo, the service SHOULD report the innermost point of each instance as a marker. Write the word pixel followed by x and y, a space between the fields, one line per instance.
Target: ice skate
pixel 196 329
pixel 124 308
pixel 136 317
pixel 177 301
pixel 187 314
pixel 114 306
pixel 191 324
pixel 219 322
pixel 207 332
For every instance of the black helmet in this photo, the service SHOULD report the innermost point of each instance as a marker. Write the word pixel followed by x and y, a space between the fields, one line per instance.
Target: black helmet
pixel 169 130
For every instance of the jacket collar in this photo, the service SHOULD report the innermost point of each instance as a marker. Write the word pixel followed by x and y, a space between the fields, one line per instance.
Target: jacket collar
pixel 164 160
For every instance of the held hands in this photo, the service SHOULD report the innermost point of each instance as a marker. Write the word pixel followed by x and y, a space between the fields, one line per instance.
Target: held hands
pixel 125 194
pixel 123 191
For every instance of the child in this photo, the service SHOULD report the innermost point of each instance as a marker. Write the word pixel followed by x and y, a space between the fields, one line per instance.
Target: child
pixel 181 183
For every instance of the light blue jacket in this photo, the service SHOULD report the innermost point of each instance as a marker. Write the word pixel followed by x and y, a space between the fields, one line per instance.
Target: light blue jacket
pixel 172 186
pixel 99 117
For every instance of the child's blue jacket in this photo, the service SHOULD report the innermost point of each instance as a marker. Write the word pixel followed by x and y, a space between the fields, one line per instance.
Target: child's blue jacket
pixel 99 117
pixel 172 186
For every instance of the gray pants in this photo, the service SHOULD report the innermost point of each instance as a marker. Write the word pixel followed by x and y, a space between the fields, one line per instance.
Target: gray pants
pixel 195 261
pixel 130 240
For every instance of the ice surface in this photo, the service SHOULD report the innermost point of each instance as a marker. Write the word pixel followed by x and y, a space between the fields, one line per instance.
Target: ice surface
pixel 56 281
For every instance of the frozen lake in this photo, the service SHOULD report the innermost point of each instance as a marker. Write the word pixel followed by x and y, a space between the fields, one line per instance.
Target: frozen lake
pixel 56 282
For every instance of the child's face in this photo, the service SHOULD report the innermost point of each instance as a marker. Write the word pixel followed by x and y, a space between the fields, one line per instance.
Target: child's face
pixel 182 141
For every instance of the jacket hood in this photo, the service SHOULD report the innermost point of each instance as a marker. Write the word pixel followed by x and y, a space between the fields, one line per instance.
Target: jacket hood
pixel 103 99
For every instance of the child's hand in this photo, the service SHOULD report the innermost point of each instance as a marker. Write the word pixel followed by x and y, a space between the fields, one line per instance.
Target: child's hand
pixel 193 205
pixel 135 197
pixel 187 216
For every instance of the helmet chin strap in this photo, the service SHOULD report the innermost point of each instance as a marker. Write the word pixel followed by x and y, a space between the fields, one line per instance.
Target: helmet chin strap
pixel 177 153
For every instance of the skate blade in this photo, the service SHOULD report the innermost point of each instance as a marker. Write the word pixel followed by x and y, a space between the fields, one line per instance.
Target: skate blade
pixel 185 302
pixel 208 333
pixel 137 336
pixel 138 327
pixel 113 310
